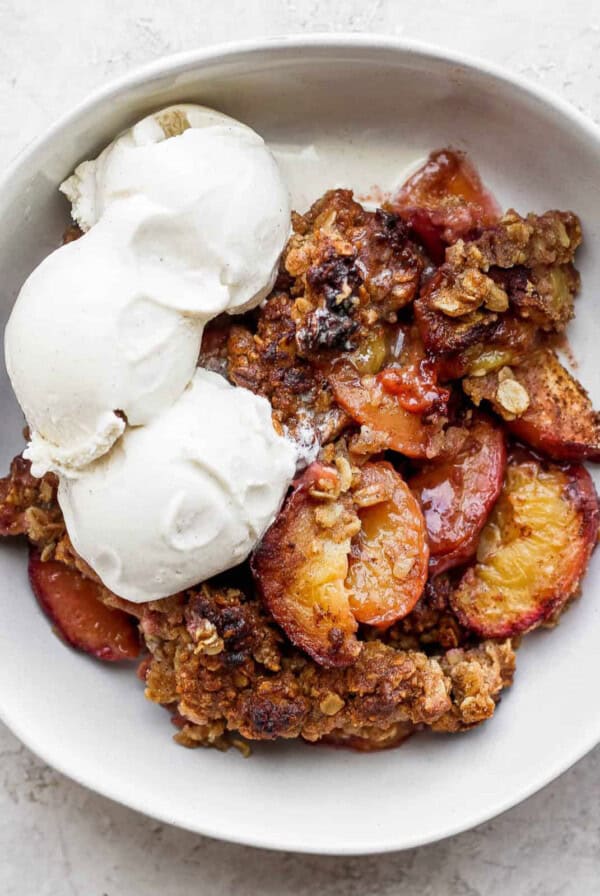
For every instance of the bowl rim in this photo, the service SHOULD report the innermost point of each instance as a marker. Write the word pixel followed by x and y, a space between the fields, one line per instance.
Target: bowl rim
pixel 224 52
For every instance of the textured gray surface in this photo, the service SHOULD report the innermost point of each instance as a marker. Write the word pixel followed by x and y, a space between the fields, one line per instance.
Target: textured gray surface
pixel 57 839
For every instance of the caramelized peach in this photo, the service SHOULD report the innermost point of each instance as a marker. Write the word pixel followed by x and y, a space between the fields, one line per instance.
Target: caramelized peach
pixel 366 400
pixel 544 405
pixel 445 200
pixel 301 565
pixel 416 387
pixel 457 493
pixel 392 402
pixel 331 559
pixel 388 560
pixel 533 551
pixel 73 604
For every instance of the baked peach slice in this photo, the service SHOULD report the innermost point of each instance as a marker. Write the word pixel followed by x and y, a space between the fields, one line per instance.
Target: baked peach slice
pixel 445 200
pixel 543 405
pixel 389 556
pixel 73 604
pixel 457 492
pixel 533 551
pixel 301 567
pixel 332 559
pixel 401 403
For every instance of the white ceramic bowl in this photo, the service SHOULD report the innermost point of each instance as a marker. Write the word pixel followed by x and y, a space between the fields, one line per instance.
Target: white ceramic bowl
pixel 370 106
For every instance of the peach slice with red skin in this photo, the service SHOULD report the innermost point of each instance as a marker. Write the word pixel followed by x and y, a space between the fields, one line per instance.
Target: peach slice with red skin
pixel 457 492
pixel 558 420
pixel 392 402
pixel 533 551
pixel 72 602
pixel 445 200
pixel 301 565
pixel 331 560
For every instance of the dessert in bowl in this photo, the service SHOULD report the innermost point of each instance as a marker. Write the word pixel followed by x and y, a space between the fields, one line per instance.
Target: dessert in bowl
pixel 388 387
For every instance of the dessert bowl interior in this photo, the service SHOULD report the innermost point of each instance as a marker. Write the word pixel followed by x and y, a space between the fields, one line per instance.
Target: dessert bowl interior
pixel 337 112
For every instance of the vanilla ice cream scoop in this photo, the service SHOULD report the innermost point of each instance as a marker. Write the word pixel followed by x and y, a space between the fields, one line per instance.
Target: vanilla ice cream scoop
pixel 208 170
pixel 94 340
pixel 184 497
pixel 167 474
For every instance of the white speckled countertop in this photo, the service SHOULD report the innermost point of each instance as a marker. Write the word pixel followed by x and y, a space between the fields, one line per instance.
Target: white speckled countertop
pixel 57 839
